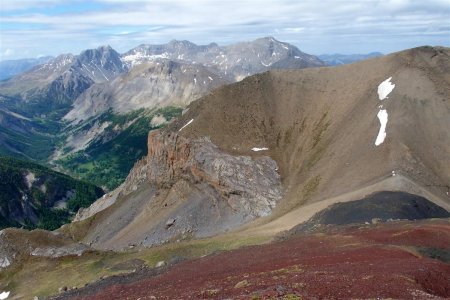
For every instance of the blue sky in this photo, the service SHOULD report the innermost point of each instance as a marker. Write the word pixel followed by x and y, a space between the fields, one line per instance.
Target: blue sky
pixel 31 28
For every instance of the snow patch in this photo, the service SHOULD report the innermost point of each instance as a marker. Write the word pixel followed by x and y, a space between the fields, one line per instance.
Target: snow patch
pixel 138 58
pixel 385 88
pixel 383 117
pixel 186 125
pixel 256 149
pixel 4 295
pixel 4 262
pixel 102 73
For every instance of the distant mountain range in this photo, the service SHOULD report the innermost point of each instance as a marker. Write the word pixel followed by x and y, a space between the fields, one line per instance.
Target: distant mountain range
pixel 234 62
pixel 343 59
pixel 55 84
pixel 70 106
pixel 9 68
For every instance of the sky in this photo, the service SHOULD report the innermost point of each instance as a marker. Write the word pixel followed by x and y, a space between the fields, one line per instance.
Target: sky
pixel 33 28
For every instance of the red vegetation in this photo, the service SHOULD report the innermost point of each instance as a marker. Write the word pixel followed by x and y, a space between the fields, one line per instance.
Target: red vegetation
pixel 368 262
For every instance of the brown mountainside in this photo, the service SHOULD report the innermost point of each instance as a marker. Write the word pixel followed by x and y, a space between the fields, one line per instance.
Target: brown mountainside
pixel 316 128
pixel 320 125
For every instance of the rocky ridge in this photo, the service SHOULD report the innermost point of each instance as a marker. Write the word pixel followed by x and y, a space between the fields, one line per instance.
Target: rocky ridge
pixel 62 79
pixel 234 62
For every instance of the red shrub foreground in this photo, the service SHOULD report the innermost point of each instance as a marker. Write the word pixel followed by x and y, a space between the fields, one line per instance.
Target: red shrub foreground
pixel 369 262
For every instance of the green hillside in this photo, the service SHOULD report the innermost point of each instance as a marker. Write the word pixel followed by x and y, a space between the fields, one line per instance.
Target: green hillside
pixel 108 163
pixel 34 196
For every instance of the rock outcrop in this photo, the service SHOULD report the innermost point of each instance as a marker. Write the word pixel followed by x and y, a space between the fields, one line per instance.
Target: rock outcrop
pixel 250 186
pixel 186 188
pixel 18 244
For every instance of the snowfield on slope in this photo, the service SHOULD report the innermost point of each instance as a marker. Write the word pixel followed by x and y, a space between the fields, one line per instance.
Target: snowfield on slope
pixel 256 149
pixel 4 262
pixel 385 88
pixel 186 125
pixel 383 117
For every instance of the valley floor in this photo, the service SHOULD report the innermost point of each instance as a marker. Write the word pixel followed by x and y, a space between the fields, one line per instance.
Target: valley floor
pixel 403 259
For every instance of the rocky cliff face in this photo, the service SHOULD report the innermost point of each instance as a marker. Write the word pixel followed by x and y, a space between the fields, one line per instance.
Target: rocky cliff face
pixel 250 186
pixel 187 188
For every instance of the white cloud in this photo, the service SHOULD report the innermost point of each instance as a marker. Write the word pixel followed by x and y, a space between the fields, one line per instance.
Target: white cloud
pixel 7 53
pixel 317 27
pixel 26 4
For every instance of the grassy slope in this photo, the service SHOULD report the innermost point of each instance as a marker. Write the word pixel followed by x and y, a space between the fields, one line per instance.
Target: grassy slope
pixel 77 271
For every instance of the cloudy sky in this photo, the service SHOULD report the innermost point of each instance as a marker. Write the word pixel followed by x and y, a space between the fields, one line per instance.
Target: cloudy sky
pixel 31 28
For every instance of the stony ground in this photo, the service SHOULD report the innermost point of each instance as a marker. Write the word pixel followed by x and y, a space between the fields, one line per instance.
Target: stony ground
pixel 389 260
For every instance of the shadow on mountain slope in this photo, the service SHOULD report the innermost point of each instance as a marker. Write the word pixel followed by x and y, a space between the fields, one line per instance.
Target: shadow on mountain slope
pixel 380 206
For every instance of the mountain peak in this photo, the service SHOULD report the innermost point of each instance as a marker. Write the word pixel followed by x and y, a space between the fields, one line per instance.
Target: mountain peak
pixel 181 43
pixel 99 51
pixel 269 39
pixel 104 48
